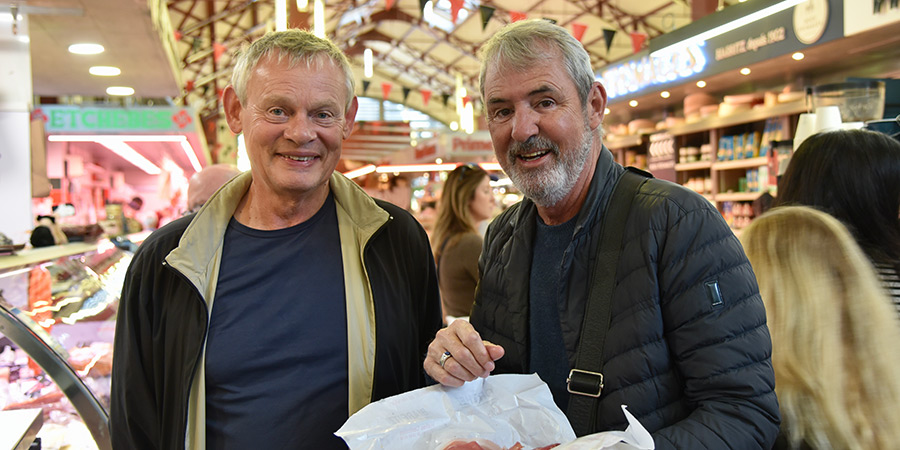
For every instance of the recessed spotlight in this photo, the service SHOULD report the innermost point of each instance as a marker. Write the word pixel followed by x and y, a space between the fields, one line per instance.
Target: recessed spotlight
pixel 105 71
pixel 701 84
pixel 745 71
pixel 665 94
pixel 86 49
pixel 120 90
pixel 798 56
pixel 454 126
pixel 606 111
pixel 633 103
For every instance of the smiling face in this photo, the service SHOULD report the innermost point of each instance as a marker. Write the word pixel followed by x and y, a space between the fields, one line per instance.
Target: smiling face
pixel 541 131
pixel 294 121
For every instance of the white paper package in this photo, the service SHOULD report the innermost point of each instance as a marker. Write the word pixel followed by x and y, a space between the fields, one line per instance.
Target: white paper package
pixel 504 409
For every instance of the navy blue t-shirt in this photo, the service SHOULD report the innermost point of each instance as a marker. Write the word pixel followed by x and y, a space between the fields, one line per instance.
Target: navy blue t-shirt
pixel 276 354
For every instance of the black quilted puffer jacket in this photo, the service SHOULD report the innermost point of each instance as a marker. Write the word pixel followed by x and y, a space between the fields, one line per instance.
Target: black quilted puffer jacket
pixel 694 371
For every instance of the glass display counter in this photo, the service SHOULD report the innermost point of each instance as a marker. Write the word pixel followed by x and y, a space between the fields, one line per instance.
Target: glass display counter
pixel 57 320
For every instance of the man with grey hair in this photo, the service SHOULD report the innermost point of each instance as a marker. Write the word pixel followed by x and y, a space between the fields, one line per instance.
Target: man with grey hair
pixel 686 347
pixel 291 299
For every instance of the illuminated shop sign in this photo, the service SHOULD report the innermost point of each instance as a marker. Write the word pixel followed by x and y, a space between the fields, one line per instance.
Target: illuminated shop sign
pixel 637 75
pixel 813 22
pixel 79 119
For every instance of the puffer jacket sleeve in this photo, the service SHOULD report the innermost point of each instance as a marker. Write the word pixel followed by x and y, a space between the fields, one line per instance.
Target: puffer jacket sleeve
pixel 715 327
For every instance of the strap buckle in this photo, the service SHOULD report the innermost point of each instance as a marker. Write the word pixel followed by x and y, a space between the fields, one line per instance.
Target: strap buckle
pixel 583 382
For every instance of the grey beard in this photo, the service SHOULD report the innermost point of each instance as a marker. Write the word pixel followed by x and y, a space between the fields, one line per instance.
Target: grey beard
pixel 547 186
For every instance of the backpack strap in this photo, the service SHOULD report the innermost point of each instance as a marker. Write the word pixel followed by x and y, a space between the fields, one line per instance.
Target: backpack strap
pixel 585 382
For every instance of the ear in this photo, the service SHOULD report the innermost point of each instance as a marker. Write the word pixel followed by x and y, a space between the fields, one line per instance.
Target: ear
pixel 350 117
pixel 233 109
pixel 596 104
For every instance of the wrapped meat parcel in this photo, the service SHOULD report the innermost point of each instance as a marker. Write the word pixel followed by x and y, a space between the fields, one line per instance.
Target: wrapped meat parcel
pixel 497 412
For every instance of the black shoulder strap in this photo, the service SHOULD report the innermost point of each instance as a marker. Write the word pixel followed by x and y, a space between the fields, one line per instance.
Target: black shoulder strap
pixel 585 381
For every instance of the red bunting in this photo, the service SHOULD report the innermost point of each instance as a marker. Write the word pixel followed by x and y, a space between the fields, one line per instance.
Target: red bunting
pixel 386 90
pixel 218 50
pixel 426 95
pixel 466 100
pixel 177 35
pixel 189 86
pixel 578 30
pixel 455 6
pixel 388 4
pixel 515 16
pixel 637 41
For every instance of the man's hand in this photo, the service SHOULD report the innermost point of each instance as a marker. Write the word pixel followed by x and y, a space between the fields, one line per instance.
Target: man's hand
pixel 469 358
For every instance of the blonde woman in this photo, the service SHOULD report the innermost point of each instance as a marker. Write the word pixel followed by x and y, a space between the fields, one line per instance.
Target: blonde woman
pixel 833 330
pixel 467 200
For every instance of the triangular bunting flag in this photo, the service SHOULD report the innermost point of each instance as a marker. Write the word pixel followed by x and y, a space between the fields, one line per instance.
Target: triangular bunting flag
pixel 637 41
pixel 422 7
pixel 405 94
pixel 455 6
pixel 189 86
pixel 578 30
pixel 388 4
pixel 446 97
pixel 177 35
pixel 466 101
pixel 386 90
pixel 608 35
pixel 218 50
pixel 486 13
pixel 426 95
pixel 515 16
pixel 365 86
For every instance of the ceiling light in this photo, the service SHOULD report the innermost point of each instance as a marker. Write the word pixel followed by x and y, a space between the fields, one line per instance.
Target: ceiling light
pixel 86 49
pixel 633 103
pixel 120 90
pixel 798 56
pixel 364 170
pixel 192 156
pixel 319 18
pixel 454 125
pixel 726 27
pixel 105 139
pixel 745 71
pixel 131 155
pixel 302 5
pixel 665 94
pixel 281 15
pixel 490 166
pixel 105 71
pixel 368 61
pixel 701 84
pixel 605 110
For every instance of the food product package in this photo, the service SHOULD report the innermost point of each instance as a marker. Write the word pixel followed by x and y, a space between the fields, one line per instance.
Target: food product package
pixel 635 437
pixel 497 412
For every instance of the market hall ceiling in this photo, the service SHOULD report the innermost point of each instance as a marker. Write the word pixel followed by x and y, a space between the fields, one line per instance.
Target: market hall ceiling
pixel 414 56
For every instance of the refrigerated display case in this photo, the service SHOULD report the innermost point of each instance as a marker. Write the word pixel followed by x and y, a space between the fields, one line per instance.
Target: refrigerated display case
pixel 57 320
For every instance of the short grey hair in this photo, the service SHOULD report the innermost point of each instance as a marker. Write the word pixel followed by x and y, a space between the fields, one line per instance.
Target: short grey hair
pixel 520 44
pixel 299 46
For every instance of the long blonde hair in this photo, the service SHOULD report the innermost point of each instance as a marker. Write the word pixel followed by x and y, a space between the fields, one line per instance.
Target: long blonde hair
pixel 834 332
pixel 454 216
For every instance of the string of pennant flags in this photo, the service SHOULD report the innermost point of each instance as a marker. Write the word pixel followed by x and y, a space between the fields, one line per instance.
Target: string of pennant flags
pixel 638 42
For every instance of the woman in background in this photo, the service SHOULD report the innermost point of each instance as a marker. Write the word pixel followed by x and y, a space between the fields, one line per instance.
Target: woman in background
pixel 466 200
pixel 854 175
pixel 837 372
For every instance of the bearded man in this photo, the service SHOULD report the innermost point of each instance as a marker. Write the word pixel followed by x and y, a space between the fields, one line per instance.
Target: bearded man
pixel 686 347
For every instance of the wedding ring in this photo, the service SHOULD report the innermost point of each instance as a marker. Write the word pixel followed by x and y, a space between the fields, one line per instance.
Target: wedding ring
pixel 444 358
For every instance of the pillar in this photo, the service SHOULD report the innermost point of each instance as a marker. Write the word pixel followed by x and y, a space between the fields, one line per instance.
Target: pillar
pixel 15 142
